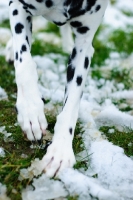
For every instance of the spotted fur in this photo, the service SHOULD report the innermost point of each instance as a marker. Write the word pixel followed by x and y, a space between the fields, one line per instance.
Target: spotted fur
pixel 84 16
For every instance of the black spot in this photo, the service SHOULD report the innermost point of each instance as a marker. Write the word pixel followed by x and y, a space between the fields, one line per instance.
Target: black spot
pixel 86 63
pixel 69 61
pixel 39 1
pixel 44 101
pixel 65 14
pixel 25 7
pixel 59 23
pixel 27 39
pixel 15 107
pixel 49 3
pixel 16 55
pixel 28 5
pixel 79 80
pixel 70 73
pixel 10 3
pixel 15 12
pixel 90 4
pixel 29 19
pixel 74 52
pixel 28 12
pixel 76 24
pixel 71 130
pixel 65 100
pixel 31 28
pixel 65 89
pixel 18 28
pixel 67 2
pixel 20 59
pixel 83 29
pixel 74 8
pixel 98 8
pixel 23 48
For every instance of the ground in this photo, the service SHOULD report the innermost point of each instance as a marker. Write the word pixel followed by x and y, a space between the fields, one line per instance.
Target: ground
pixel 103 141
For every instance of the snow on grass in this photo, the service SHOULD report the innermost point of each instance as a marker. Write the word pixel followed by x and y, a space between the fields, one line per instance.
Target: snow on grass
pixel 114 169
pixel 2 153
pixel 45 189
pixel 109 175
pixel 3 94
pixel 114 16
pixel 3 190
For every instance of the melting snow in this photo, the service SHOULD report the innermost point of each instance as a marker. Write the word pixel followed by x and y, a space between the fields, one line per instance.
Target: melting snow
pixel 2 153
pixel 113 168
pixel 3 192
pixel 3 94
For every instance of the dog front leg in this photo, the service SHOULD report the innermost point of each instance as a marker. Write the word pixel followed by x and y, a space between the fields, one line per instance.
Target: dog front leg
pixel 29 103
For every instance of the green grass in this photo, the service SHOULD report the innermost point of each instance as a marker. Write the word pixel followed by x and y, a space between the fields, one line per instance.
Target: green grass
pixel 119 75
pixel 122 139
pixel 120 40
pixel 5 24
pixel 41 48
pixel 11 164
pixel 51 27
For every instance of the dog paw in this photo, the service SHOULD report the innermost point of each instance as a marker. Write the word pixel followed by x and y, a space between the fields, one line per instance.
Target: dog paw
pixel 58 157
pixel 30 106
pixel 31 117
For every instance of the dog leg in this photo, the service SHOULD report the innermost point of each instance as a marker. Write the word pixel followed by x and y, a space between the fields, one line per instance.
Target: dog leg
pixel 60 153
pixel 29 104
pixel 67 39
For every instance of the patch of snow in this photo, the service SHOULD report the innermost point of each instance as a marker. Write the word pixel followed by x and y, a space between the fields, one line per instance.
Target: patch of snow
pixel 49 37
pixel 45 188
pixel 5 35
pixel 85 187
pixel 115 18
pixel 111 116
pixel 114 168
pixel 3 190
pixel 7 135
pixel 4 14
pixel 2 153
pixel 3 94
pixel 125 94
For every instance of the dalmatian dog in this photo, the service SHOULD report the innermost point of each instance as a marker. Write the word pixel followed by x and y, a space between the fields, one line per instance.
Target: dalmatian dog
pixel 84 16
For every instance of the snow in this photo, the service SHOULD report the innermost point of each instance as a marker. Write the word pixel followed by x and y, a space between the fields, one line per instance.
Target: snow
pixel 85 187
pixel 43 187
pixel 111 116
pixel 3 94
pixel 7 136
pixel 113 169
pixel 2 153
pixel 114 15
pixel 3 195
pixel 3 10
